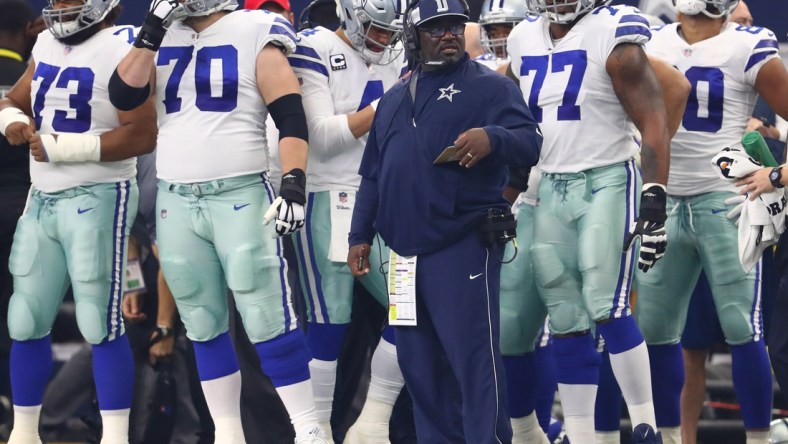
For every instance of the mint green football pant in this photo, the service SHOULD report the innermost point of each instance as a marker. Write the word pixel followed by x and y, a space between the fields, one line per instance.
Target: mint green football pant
pixel 328 285
pixel 522 310
pixel 700 236
pixel 78 236
pixel 580 225
pixel 211 237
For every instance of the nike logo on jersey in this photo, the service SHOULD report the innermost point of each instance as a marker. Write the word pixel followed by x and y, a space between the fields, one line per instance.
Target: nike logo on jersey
pixel 715 211
pixel 596 190
pixel 81 211
pixel 474 276
pixel 237 207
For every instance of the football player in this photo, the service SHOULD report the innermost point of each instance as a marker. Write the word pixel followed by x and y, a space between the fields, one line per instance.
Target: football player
pixel 582 68
pixel 728 65
pixel 216 75
pixel 343 74
pixel 80 208
pixel 496 21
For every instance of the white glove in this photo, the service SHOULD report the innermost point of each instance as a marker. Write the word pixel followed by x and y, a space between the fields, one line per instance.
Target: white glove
pixel 290 216
pixel 737 200
pixel 163 8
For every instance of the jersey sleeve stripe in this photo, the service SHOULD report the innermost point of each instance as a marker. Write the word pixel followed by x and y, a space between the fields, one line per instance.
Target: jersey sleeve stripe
pixel 308 64
pixel 307 52
pixel 633 18
pixel 759 57
pixel 623 31
pixel 767 44
pixel 280 29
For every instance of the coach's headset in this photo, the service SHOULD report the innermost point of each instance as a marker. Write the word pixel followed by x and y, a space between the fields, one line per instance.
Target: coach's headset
pixel 410 35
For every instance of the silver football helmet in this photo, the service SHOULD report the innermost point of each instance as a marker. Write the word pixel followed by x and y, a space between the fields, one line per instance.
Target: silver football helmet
pixel 194 8
pixel 710 8
pixel 499 12
pixel 64 22
pixel 562 11
pixel 359 17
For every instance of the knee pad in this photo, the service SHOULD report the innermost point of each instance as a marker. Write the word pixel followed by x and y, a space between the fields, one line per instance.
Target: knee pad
pixel 89 256
pixel 568 318
pixel 23 324
pixel 92 321
pixel 547 265
pixel 737 324
pixel 202 323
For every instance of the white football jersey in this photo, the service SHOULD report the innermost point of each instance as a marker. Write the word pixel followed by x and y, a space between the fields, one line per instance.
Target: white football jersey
pixel 211 114
pixel 722 71
pixel 69 95
pixel 336 81
pixel 569 91
pixel 490 61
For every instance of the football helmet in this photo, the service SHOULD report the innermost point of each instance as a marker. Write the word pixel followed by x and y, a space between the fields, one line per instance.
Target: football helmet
pixel 194 8
pixel 562 11
pixel 499 12
pixel 64 22
pixel 710 8
pixel 358 17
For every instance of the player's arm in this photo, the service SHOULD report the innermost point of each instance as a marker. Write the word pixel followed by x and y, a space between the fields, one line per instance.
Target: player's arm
pixel 675 89
pixel 132 82
pixel 327 129
pixel 279 88
pixel 15 110
pixel 135 135
pixel 772 85
pixel 283 99
pixel 637 88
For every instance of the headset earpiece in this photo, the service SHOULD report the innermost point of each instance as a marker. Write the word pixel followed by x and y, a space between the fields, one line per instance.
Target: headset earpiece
pixel 410 36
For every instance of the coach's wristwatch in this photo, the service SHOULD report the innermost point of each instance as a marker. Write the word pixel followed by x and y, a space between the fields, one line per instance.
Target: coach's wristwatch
pixel 775 176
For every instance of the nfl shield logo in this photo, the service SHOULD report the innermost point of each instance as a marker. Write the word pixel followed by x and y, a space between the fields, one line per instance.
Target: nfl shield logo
pixel 687 52
pixel 163 214
pixel 343 197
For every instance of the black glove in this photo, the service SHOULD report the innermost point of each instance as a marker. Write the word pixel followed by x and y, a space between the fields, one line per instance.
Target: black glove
pixel 156 22
pixel 650 226
pixel 289 206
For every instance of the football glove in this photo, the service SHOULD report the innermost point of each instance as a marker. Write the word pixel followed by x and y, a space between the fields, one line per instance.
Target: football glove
pixel 288 208
pixel 161 14
pixel 650 226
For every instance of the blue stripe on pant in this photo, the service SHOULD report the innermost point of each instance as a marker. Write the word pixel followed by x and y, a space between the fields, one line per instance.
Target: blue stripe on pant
pixel 451 361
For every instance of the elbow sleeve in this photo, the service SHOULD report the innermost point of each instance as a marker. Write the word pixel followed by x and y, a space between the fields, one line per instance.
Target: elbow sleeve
pixel 125 97
pixel 289 117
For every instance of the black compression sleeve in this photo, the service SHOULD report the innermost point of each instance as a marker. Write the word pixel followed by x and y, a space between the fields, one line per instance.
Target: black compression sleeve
pixel 289 117
pixel 125 97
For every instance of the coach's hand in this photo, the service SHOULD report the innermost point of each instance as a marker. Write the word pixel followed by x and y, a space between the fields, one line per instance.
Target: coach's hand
pixel 472 146
pixel 358 259
pixel 650 226
pixel 288 208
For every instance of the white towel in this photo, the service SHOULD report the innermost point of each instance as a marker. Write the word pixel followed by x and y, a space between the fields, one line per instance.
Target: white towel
pixel 762 220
